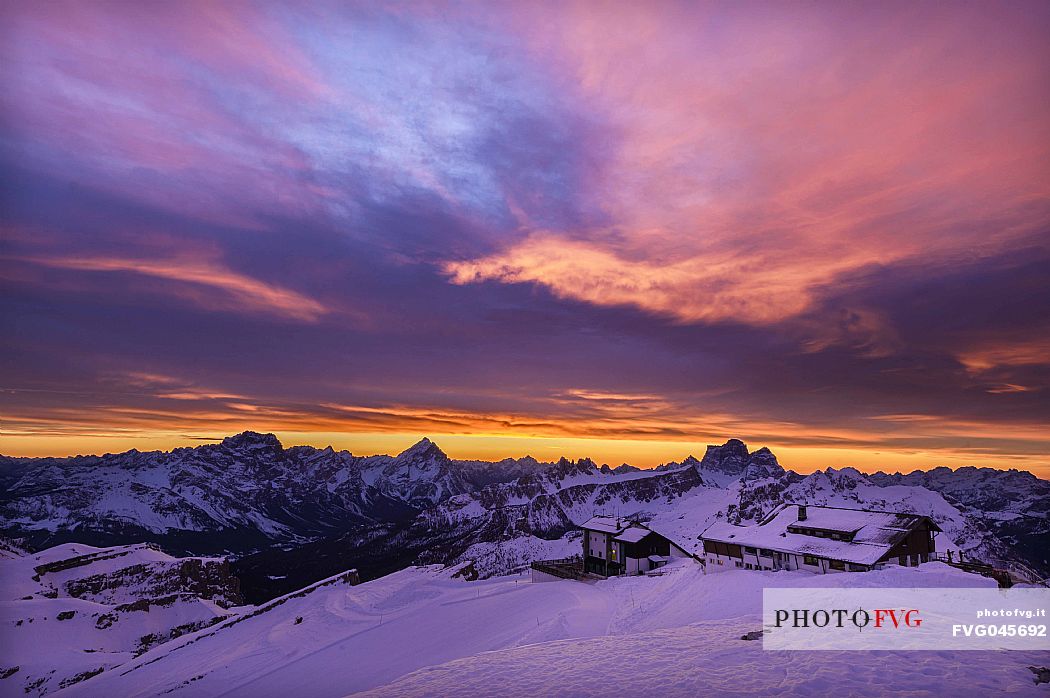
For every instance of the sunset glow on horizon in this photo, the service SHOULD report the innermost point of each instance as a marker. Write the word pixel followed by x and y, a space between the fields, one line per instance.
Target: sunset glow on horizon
pixel 619 232
pixel 611 452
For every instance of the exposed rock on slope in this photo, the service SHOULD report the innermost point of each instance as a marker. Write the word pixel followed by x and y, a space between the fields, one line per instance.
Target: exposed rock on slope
pixel 72 611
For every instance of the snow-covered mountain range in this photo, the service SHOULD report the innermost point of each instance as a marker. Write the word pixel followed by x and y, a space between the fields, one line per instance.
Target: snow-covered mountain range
pixel 295 515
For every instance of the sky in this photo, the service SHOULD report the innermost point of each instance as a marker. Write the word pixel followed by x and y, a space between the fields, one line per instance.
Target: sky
pixel 616 230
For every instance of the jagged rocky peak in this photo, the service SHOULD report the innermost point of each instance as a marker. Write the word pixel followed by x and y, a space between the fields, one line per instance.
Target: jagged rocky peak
pixel 565 467
pixel 422 450
pixel 764 456
pixel 618 470
pixel 733 458
pixel 252 439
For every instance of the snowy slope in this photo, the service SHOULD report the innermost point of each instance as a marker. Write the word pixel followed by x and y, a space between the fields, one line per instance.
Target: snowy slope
pixel 710 658
pixel 74 610
pixel 353 639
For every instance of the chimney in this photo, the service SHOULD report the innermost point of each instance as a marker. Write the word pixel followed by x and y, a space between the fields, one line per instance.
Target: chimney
pixel 801 512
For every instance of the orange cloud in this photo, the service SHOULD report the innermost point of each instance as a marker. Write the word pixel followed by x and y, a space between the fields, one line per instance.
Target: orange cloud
pixel 1008 388
pixel 1021 353
pixel 602 396
pixel 238 291
pixel 698 288
pixel 191 394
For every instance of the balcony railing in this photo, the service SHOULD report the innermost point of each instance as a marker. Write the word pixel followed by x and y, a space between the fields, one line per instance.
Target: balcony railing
pixel 1005 572
pixel 564 568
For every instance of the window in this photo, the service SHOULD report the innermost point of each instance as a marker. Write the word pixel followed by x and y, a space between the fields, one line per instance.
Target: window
pixel 748 549
pixel 765 553
pixel 810 560
pixel 837 565
pixel 739 563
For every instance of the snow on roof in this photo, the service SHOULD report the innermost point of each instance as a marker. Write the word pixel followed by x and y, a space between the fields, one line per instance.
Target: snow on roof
pixel 627 531
pixel 633 534
pixel 687 545
pixel 851 520
pixel 606 524
pixel 876 532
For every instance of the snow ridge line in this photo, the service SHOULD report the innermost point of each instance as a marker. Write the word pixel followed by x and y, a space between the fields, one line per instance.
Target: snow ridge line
pixel 269 606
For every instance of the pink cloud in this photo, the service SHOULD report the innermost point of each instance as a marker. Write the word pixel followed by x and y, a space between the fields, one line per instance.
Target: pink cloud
pixel 765 154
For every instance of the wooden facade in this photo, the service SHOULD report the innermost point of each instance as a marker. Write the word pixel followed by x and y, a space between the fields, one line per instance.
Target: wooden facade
pixel 719 548
pixel 915 548
pixel 652 544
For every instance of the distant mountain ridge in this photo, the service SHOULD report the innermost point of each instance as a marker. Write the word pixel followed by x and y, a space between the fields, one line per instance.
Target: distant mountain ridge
pixel 248 486
pixel 318 511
